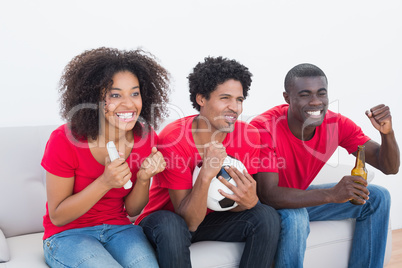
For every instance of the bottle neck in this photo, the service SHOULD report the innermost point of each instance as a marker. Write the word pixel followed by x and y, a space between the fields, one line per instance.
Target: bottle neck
pixel 360 158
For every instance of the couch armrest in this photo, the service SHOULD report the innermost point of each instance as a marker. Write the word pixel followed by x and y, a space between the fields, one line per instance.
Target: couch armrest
pixel 4 252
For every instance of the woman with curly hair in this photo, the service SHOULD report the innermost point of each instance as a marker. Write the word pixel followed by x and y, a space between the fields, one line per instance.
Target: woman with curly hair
pixel 106 95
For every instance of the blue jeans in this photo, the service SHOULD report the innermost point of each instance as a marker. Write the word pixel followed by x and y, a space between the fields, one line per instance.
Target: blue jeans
pixel 100 246
pixel 369 239
pixel 258 227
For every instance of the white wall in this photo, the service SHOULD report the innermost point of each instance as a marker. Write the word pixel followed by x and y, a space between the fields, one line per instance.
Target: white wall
pixel 357 43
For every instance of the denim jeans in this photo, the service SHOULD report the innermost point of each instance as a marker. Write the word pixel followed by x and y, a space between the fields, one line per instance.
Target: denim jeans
pixel 369 239
pixel 100 246
pixel 258 227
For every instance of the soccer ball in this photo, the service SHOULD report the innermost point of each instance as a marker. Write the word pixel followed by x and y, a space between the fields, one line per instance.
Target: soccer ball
pixel 215 200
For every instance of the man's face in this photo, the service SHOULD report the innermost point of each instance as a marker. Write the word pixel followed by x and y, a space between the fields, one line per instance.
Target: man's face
pixel 308 101
pixel 223 107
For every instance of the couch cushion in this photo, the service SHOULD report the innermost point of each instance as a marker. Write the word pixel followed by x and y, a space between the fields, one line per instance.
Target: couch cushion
pixel 207 254
pixel 4 252
pixel 327 237
pixel 26 251
pixel 327 232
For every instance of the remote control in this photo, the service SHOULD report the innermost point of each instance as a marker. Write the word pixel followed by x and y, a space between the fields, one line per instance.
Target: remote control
pixel 113 155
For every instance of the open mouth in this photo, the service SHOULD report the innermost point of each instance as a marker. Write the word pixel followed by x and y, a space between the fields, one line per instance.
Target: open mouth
pixel 129 116
pixel 230 118
pixel 315 113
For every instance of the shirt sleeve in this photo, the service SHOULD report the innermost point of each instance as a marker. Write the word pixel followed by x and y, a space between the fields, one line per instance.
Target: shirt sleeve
pixel 178 172
pixel 252 162
pixel 267 153
pixel 350 135
pixel 59 157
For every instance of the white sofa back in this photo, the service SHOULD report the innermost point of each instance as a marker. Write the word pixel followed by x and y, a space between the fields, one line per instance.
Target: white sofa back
pixel 22 180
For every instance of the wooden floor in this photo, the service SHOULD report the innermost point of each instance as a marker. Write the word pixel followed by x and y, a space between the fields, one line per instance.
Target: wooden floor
pixel 396 255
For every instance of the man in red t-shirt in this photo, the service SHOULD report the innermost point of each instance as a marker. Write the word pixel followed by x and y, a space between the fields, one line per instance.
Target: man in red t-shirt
pixel 177 213
pixel 297 139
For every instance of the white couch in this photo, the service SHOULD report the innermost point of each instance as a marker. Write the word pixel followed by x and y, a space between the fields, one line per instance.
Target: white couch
pixel 23 197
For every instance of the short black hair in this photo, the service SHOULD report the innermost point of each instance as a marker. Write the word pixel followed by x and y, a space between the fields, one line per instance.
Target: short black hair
pixel 207 75
pixel 88 77
pixel 302 70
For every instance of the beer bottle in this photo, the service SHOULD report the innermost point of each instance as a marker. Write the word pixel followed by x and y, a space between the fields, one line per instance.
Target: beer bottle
pixel 360 167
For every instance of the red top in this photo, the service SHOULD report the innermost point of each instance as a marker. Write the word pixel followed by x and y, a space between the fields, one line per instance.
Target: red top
pixel 66 157
pixel 177 145
pixel 297 161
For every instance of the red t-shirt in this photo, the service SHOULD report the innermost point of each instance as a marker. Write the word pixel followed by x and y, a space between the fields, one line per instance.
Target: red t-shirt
pixel 66 157
pixel 177 145
pixel 298 162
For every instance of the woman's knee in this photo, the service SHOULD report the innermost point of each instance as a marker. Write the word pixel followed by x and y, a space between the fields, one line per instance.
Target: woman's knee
pixel 76 250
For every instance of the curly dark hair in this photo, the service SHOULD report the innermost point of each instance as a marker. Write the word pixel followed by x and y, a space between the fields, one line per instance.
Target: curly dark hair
pixel 88 77
pixel 302 70
pixel 207 75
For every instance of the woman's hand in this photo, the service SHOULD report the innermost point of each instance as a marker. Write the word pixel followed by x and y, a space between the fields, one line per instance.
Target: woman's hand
pixel 116 173
pixel 151 166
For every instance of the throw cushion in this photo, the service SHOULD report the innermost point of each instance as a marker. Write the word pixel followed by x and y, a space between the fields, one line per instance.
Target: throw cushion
pixel 4 252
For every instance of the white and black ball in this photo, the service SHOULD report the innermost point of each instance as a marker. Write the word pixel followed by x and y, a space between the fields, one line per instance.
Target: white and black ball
pixel 215 200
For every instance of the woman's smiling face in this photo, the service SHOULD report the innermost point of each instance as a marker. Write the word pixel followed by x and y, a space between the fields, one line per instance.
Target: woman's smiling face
pixel 123 101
